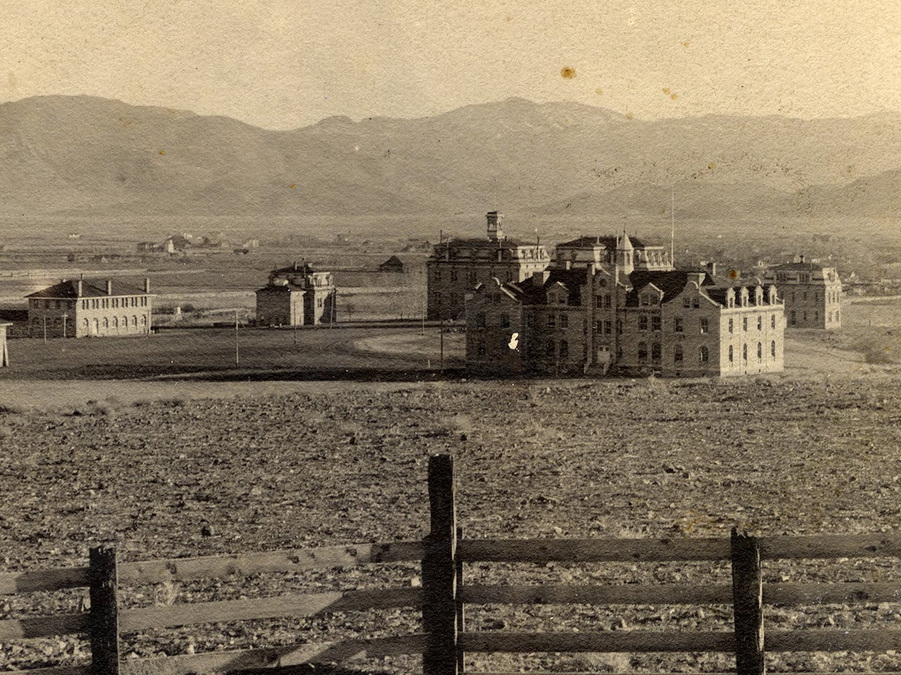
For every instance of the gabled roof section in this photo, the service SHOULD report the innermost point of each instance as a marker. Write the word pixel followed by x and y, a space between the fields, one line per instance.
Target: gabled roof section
pixel 90 288
pixel 572 279
pixel 671 282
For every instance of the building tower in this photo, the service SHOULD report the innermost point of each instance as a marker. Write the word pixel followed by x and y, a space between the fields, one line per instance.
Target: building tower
pixel 495 230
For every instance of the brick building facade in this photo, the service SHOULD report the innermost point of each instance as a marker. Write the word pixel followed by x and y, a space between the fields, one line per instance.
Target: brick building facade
pixel 297 296
pixel 595 317
pixel 90 308
pixel 458 265
pixel 812 293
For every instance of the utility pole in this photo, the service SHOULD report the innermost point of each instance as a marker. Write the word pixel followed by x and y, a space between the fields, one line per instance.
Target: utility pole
pixel 237 357
pixel 441 343
pixel 45 329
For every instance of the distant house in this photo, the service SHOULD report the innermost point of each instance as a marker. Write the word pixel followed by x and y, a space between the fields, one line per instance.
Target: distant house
pixel 4 351
pixel 90 308
pixel 812 293
pixel 392 264
pixel 297 296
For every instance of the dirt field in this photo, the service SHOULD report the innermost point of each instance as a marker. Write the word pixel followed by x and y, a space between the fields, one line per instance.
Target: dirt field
pixel 171 467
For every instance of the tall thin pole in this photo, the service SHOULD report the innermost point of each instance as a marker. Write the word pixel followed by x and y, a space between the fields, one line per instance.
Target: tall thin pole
pixel 441 342
pixel 45 329
pixel 237 356
pixel 672 226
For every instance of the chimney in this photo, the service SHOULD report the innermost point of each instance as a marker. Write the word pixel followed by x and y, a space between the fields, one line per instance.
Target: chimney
pixel 81 286
pixel 147 285
pixel 802 258
pixel 711 269
pixel 109 286
pixel 539 278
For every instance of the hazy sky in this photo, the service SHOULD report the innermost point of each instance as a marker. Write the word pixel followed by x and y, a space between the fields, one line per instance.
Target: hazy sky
pixel 287 63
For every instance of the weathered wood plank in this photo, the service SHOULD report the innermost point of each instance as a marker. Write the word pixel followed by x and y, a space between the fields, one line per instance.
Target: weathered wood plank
pixel 144 618
pixel 630 594
pixel 247 659
pixel 57 670
pixel 591 550
pixel 788 594
pixel 614 641
pixel 832 640
pixel 44 580
pixel 292 560
pixel 44 626
pixel 831 546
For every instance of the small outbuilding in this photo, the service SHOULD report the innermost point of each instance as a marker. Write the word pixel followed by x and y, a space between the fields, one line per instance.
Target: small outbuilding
pixel 392 264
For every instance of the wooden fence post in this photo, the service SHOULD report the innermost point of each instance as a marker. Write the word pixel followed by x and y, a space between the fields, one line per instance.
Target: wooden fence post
pixel 104 618
pixel 747 598
pixel 439 608
pixel 461 611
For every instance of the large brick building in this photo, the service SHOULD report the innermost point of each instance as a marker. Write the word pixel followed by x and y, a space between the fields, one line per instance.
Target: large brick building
pixel 812 293
pixel 297 296
pixel 598 316
pixel 90 308
pixel 457 265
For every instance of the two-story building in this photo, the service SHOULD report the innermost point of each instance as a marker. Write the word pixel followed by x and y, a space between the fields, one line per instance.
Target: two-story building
pixel 297 296
pixel 456 266
pixel 811 292
pixel 90 308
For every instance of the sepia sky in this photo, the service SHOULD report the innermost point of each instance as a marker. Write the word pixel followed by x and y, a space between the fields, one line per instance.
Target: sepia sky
pixel 286 63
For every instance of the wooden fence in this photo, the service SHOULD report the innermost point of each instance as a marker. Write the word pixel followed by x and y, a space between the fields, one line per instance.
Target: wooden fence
pixel 443 597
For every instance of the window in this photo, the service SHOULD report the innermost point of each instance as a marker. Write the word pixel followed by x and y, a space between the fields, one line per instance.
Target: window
pixel 731 325
pixel 677 354
pixel 773 321
pixel 643 322
pixel 655 323
pixel 731 354
pixel 453 275
pixel 773 349
pixel 564 320
pixel 655 352
pixel 619 326
pixel 642 351
pixel 703 354
pixel 505 320
pixel 105 323
pixel 480 320
pixel 134 321
pixel 598 326
pixel 677 324
pixel 607 303
pixel 549 348
pixel 759 323
pixel 695 302
pixel 551 320
pixel 686 302
pixel 759 351
pixel 607 327
pixel 564 349
pixel 791 317
pixel 599 301
pixel 744 353
pixel 143 319
pixel 705 326
pixel 744 323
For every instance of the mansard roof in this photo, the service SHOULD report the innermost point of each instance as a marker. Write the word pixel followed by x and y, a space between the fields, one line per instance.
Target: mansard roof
pixel 609 242
pixel 572 279
pixel 90 288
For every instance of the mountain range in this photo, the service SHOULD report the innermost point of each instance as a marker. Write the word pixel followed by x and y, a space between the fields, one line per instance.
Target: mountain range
pixel 85 156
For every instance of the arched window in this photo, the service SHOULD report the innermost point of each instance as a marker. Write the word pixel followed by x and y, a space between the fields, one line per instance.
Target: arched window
pixel 143 319
pixel 677 354
pixel 655 352
pixel 642 351
pixel 759 351
pixel 744 353
pixel 115 322
pixel 703 354
pixel 773 349
pixel 134 321
pixel 564 349
pixel 731 354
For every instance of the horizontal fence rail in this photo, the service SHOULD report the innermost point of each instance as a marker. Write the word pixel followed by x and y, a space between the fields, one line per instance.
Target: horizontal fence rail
pixel 444 594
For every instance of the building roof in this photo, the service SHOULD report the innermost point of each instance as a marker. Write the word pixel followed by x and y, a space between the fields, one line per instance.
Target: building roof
pixel 536 294
pixel 90 288
pixel 609 242
pixel 671 282
pixel 798 266
pixel 294 268
pixel 393 261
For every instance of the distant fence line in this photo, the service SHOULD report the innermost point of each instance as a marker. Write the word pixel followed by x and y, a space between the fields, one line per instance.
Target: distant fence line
pixel 443 596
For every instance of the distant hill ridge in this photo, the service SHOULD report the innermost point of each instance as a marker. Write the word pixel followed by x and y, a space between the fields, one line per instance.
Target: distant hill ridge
pixel 89 156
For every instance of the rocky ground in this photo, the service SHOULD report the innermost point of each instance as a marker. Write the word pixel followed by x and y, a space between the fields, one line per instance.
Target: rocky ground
pixel 346 463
